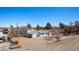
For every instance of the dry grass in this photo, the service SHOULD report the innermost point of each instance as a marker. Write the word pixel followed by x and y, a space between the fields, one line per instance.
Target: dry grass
pixel 44 42
pixel 23 42
pixel 68 43
pixel 2 44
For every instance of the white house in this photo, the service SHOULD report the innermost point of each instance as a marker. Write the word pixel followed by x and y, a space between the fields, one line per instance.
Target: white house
pixel 41 33
pixel 3 36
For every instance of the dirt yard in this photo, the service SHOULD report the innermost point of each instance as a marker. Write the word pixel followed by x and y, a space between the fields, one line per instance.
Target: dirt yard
pixel 68 43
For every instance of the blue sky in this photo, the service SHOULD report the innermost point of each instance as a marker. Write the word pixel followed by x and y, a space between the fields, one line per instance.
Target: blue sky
pixel 37 15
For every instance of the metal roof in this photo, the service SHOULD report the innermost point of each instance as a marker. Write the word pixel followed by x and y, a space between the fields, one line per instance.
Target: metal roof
pixel 32 32
pixel 41 31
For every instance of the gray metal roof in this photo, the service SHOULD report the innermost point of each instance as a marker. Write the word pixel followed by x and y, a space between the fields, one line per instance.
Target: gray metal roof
pixel 32 32
pixel 41 31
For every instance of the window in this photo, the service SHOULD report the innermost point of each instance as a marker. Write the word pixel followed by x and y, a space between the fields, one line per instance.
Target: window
pixel 38 35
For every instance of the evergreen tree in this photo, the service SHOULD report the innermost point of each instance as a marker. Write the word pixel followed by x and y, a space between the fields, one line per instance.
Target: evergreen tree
pixel 76 27
pixel 48 26
pixel 12 32
pixel 11 26
pixel 29 26
pixel 38 27
pixel 76 22
pixel 64 28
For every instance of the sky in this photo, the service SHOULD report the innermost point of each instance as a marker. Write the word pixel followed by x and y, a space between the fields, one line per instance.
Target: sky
pixel 37 15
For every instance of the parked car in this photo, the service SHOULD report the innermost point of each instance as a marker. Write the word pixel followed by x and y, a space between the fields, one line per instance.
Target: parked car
pixel 2 40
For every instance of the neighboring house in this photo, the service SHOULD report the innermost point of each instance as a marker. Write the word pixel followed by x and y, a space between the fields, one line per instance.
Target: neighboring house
pixel 2 35
pixel 41 33
pixel 32 34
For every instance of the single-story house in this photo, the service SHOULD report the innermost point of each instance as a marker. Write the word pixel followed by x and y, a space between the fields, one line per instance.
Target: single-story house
pixel 5 36
pixel 41 33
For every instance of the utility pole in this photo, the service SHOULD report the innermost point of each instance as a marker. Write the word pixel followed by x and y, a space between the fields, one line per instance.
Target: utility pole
pixel 17 28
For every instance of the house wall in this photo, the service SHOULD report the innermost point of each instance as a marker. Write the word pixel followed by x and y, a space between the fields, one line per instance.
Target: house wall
pixel 50 34
pixel 45 34
pixel 42 35
pixel 1 33
pixel 34 35
pixel 4 36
